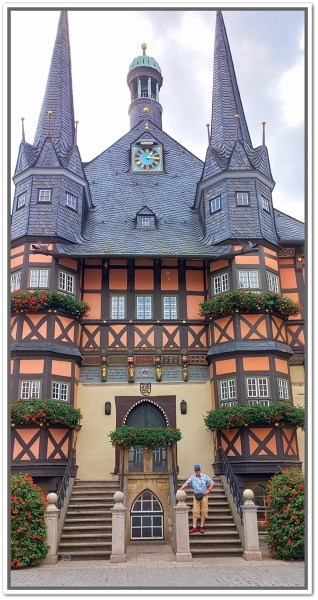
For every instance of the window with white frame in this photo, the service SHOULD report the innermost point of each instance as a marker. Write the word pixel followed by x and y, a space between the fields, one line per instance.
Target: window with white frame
pixel 59 391
pixel 118 307
pixel 145 221
pixel 15 281
pixel 283 393
pixel 272 282
pixel 30 390
pixel 242 198
pixel 248 279
pixel 261 402
pixel 144 307
pixel 44 195
pixel 265 203
pixel 170 307
pixel 215 204
pixel 66 282
pixel 39 278
pixel 71 201
pixel 227 389
pixel 220 283
pixel 21 200
pixel 257 387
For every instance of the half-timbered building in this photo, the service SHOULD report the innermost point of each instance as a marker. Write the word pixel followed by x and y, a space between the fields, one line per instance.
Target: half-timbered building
pixel 144 233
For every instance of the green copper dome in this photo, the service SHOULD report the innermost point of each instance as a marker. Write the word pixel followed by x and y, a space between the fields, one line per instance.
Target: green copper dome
pixel 144 61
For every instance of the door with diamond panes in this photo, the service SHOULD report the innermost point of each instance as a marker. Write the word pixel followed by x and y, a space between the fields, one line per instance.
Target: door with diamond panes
pixel 146 518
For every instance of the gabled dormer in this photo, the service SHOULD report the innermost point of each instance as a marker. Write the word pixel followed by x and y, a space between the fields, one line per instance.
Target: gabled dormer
pixel 145 219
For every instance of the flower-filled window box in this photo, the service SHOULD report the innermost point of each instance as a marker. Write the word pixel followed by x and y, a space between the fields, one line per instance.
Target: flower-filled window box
pixel 53 301
pixel 236 301
pixel 149 437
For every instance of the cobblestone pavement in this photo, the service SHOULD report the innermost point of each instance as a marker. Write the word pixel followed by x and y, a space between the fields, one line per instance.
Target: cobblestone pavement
pixel 155 568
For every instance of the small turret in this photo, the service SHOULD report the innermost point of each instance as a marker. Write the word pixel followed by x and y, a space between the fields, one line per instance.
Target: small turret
pixel 144 80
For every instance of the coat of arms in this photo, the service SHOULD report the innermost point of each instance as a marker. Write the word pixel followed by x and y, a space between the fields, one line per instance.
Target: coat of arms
pixel 145 389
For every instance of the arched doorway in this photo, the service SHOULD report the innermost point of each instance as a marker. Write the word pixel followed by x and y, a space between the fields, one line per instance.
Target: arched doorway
pixel 146 414
pixel 146 518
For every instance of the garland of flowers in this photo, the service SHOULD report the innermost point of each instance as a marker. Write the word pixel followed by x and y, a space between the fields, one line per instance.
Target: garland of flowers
pixel 44 412
pixel 28 529
pixel 285 514
pixel 237 416
pixel 150 437
pixel 32 301
pixel 228 303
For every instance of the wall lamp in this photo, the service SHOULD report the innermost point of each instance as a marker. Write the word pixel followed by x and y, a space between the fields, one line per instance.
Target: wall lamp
pixel 108 408
pixel 183 407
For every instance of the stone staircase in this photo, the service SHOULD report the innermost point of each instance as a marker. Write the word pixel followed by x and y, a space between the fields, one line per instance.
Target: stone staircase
pixel 221 537
pixel 87 530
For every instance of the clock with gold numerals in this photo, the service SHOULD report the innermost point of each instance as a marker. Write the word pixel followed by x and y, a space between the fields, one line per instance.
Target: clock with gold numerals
pixel 146 159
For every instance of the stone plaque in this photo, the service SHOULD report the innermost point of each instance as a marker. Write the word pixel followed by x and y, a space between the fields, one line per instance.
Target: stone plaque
pixel 90 374
pixel 146 374
pixel 171 373
pixel 117 374
pixel 198 373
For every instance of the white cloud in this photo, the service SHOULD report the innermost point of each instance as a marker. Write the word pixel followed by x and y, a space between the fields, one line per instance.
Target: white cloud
pixel 291 91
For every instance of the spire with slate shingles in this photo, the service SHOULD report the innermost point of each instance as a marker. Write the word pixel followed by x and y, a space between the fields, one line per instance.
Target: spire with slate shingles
pixel 58 96
pixel 226 99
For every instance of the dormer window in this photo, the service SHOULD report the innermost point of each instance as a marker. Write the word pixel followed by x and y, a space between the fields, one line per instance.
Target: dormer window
pixel 215 204
pixel 145 219
pixel 145 222
pixel 242 198
pixel 44 195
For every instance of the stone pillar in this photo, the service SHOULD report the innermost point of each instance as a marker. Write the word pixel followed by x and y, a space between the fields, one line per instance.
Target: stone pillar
pixel 118 511
pixel 250 527
pixel 51 517
pixel 181 521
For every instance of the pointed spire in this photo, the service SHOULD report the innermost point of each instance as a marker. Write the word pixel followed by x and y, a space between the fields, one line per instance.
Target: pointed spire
pixel 58 97
pixel 23 133
pixel 226 100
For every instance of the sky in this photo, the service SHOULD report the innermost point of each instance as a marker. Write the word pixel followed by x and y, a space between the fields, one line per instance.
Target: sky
pixel 267 47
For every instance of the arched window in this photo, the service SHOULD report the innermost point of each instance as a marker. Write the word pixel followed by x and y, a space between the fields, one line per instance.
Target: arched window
pixel 146 517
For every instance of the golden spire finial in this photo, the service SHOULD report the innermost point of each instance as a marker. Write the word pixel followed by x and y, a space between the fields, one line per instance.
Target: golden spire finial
pixel 144 48
pixel 145 109
pixel 263 140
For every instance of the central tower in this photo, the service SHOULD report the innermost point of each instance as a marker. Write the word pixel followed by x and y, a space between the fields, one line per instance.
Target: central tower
pixel 144 80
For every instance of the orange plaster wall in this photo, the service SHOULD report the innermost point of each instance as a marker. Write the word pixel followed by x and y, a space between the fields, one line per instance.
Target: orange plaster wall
pixel 40 258
pixel 169 263
pixel 118 261
pixel 247 260
pixel 176 338
pixel 223 367
pixel 93 261
pixel 14 325
pixel 193 307
pixel 286 261
pixel 288 278
pixel 68 262
pixel 197 329
pixel 281 365
pixel 245 329
pixel 269 251
pixel 77 372
pixel 42 330
pixel 91 329
pixel 16 262
pixel 261 433
pixel 17 250
pixel 271 263
pixel 117 329
pixel 93 279
pixel 219 264
pixel 169 279
pixel 194 263
pixel 94 301
pixel 31 366
pixel 144 279
pixel 257 363
pixel 143 330
pixel 118 279
pixel 194 281
pixel 143 263
pixel 61 367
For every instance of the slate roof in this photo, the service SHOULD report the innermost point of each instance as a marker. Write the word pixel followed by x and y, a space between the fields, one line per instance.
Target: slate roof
pixel 288 228
pixel 249 346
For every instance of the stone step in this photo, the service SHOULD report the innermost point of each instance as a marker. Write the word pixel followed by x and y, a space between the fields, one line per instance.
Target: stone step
pixel 79 545
pixel 85 555
pixel 217 552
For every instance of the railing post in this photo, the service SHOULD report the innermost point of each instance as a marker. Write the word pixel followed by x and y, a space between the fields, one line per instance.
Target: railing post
pixel 251 541
pixel 118 511
pixel 181 520
pixel 51 516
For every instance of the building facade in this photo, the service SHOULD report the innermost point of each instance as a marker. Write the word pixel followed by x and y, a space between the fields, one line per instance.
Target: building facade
pixel 144 233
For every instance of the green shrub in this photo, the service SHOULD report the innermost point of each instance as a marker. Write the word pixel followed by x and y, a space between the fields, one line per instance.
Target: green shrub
pixel 28 529
pixel 43 412
pixel 231 417
pixel 32 301
pixel 228 303
pixel 150 437
pixel 285 514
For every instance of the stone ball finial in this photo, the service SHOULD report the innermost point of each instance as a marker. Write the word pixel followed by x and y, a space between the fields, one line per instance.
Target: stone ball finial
pixel 144 46
pixel 52 498
pixel 248 495
pixel 119 497
pixel 181 495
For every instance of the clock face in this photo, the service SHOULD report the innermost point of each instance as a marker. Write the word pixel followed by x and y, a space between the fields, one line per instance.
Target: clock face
pixel 146 158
